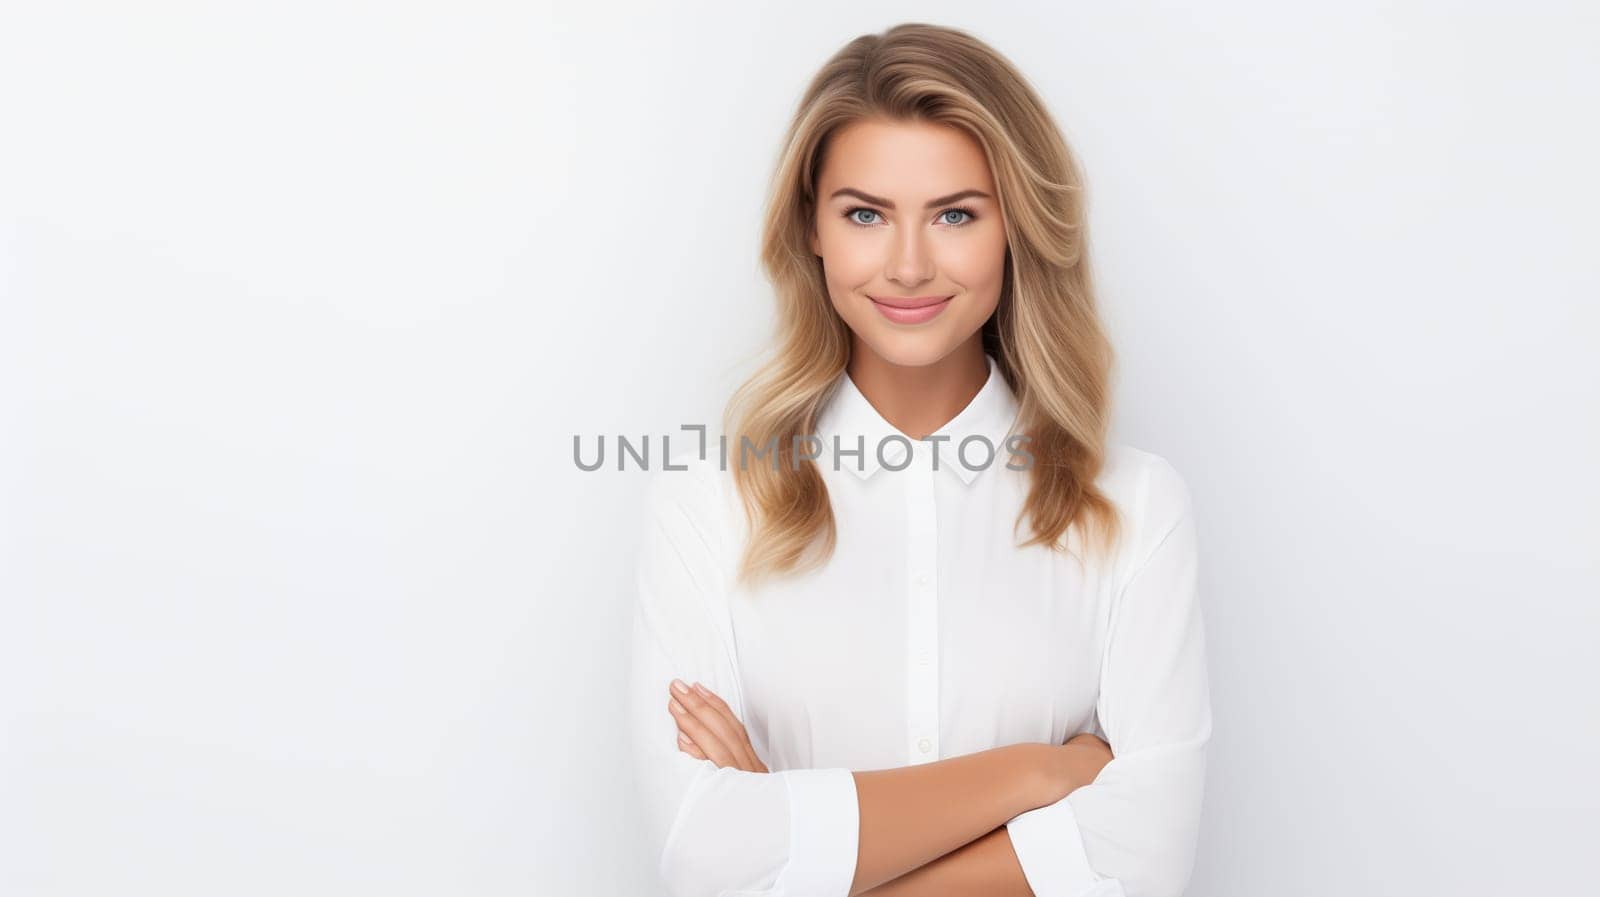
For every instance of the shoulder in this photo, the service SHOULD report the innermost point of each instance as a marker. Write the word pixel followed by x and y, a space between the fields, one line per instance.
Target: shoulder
pixel 683 478
pixel 1146 483
pixel 690 493
pixel 683 562
pixel 1149 492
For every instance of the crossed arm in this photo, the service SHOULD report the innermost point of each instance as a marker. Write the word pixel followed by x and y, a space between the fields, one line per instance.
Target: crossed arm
pixel 932 828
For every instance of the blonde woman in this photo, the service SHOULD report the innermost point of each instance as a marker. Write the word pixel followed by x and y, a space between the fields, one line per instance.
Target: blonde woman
pixel 917 628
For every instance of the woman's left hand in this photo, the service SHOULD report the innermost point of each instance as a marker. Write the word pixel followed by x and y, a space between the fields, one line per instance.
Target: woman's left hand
pixel 708 730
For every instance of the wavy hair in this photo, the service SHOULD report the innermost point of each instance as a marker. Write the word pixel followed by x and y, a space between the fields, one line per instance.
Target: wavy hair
pixel 1045 334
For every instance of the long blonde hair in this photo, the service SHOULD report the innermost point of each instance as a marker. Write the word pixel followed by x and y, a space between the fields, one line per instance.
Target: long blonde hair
pixel 1045 335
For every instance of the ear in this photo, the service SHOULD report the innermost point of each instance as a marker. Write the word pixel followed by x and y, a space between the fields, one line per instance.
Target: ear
pixel 811 239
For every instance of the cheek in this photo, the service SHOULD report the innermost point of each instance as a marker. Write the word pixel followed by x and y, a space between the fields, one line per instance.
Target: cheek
pixel 976 264
pixel 846 251
pixel 850 264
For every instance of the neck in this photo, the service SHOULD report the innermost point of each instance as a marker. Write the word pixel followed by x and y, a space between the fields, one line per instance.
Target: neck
pixel 919 399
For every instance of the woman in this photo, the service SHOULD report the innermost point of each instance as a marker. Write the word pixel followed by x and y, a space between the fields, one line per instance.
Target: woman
pixel 851 674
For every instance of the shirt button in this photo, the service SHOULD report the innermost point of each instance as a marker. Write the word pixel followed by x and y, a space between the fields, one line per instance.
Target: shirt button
pixel 925 745
pixel 922 579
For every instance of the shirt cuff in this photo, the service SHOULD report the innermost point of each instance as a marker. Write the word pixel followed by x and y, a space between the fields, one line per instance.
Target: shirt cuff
pixel 824 827
pixel 1049 847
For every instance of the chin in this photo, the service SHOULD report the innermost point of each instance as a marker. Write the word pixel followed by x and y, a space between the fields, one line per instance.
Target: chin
pixel 909 348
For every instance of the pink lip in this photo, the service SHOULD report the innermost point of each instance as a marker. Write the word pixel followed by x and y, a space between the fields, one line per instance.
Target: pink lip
pixel 908 301
pixel 913 310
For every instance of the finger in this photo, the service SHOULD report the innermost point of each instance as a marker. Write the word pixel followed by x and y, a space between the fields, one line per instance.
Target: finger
pixel 725 741
pixel 688 747
pixel 696 727
pixel 722 707
pixel 743 734
pixel 703 741
pixel 704 737
pixel 732 731
pixel 728 731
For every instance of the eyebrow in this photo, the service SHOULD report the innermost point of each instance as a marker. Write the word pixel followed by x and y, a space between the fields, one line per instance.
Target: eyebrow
pixel 880 201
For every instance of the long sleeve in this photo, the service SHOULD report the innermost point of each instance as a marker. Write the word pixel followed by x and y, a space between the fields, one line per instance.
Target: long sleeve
pixel 1133 831
pixel 712 831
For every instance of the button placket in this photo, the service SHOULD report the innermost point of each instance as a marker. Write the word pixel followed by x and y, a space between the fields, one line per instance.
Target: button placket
pixel 922 608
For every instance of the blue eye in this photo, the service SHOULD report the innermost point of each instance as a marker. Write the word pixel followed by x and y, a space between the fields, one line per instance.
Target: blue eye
pixel 850 215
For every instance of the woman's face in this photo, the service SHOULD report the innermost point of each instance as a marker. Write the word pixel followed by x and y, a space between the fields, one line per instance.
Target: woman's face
pixel 908 212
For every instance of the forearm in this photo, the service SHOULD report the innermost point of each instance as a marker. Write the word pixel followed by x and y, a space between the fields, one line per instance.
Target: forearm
pixel 986 866
pixel 989 864
pixel 913 815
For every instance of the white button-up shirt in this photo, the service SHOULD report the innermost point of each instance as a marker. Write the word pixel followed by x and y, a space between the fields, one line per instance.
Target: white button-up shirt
pixel 928 634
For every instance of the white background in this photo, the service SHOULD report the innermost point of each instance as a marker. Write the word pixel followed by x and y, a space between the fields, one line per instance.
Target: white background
pixel 302 304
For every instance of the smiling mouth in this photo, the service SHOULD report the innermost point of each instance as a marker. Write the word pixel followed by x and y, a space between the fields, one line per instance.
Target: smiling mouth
pixel 928 308
pixel 910 301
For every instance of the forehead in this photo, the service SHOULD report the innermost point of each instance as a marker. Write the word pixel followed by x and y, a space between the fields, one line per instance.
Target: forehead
pixel 903 160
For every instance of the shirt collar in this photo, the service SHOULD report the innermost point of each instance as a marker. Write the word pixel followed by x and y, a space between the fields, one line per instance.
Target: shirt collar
pixel 851 418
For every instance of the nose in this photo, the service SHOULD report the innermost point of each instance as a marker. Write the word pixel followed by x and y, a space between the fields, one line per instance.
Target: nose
pixel 910 261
